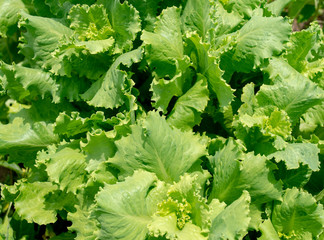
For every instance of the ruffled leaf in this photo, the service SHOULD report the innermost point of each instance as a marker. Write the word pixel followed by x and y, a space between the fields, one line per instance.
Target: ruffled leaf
pixel 156 147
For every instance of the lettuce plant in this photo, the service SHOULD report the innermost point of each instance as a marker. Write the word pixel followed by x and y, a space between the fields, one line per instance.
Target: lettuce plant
pixel 158 119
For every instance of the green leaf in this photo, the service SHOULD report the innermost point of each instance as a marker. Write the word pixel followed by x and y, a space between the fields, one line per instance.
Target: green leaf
pixel 66 167
pixel 208 66
pixel 299 47
pixel 188 108
pixel 9 16
pixel 156 147
pixel 294 177
pixel 268 231
pixel 277 7
pixel 295 7
pixel 124 209
pixel 90 23
pixel 27 84
pixel 290 92
pixel 18 136
pixel 164 45
pixel 259 39
pixel 31 204
pixel 109 91
pixel 313 121
pixel 231 177
pixel 99 146
pixel 195 17
pixel 164 90
pixel 147 10
pixel 298 214
pixel 233 221
pixel 243 7
pixel 42 37
pixel 167 227
pixel 85 227
pixel 125 21
pixel 296 153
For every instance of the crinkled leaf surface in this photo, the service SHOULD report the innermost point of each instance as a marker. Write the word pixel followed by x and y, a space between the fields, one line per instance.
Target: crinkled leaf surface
pixel 157 147
pixel 196 17
pixel 110 89
pixel 296 153
pixel 28 83
pixel 258 39
pixel 41 38
pixel 30 203
pixel 187 110
pixel 208 66
pixel 125 21
pixel 164 45
pixel 298 214
pixel 233 221
pixel 290 92
pixel 66 167
pixel 9 15
pixel 17 136
pixel 124 209
pixel 231 176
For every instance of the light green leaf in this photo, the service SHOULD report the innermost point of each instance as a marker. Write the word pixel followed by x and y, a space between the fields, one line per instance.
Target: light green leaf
pixel 223 22
pixel 299 47
pixel 90 23
pixel 9 15
pixel 28 84
pixel 276 7
pixel 298 214
pixel 243 7
pixel 233 221
pixel 231 177
pixel 268 231
pixel 109 91
pixel 41 38
pixel 258 39
pixel 85 227
pixel 187 110
pixel 290 92
pixel 208 66
pixel 163 90
pixel 124 209
pixel 278 124
pixel 156 147
pixel 167 226
pixel 125 21
pixel 147 10
pixel 72 124
pixel 99 146
pixel 296 153
pixel 164 46
pixel 66 167
pixel 18 136
pixel 196 17
pixel 225 169
pixel 313 120
pixel 184 200
pixel 86 58
pixel 31 204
